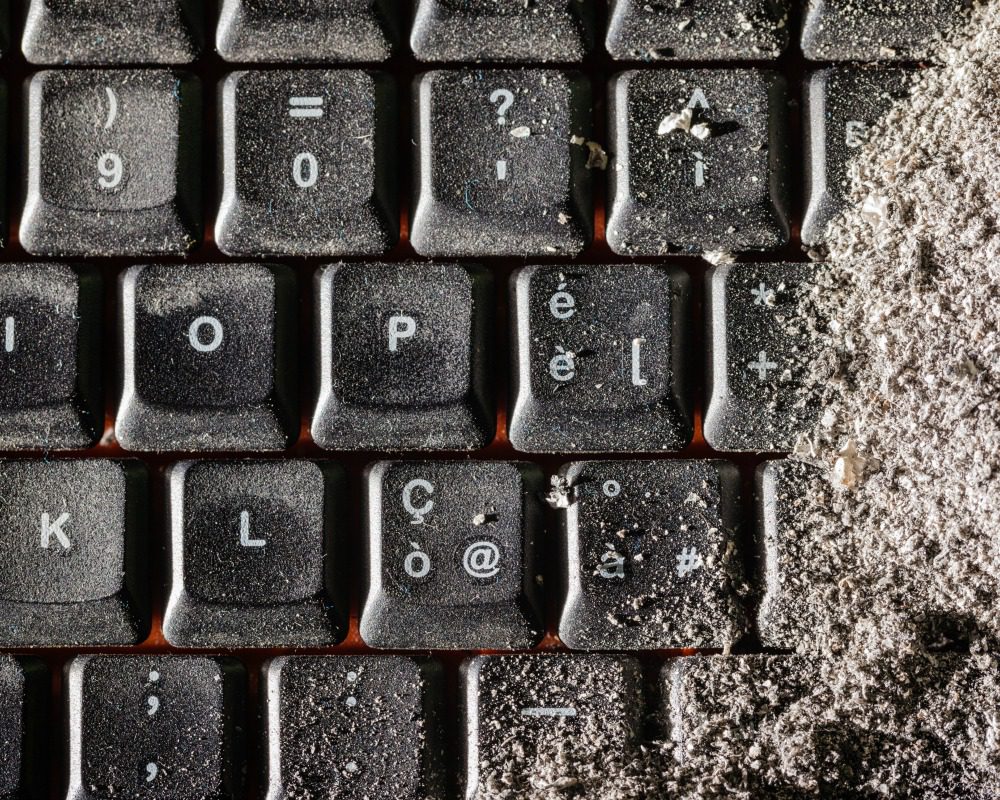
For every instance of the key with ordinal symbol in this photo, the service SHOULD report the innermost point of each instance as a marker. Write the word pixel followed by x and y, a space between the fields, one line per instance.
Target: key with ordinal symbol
pixel 264 31
pixel 353 727
pixel 502 163
pixel 405 357
pixel 61 32
pixel 841 106
pixel 72 534
pixel 114 161
pixel 308 163
pixel 484 30
pixel 760 353
pixel 452 555
pixel 50 319
pixel 699 161
pixel 745 30
pixel 600 359
pixel 652 554
pixel 561 711
pixel 254 559
pixel 208 357
pixel 24 695
pixel 155 726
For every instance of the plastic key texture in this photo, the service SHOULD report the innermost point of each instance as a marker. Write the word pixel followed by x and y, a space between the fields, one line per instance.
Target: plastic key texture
pixel 24 699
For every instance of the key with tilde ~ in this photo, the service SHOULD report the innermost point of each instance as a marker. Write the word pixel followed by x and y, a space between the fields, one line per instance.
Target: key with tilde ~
pixel 74 567
pixel 353 727
pixel 652 552
pixel 452 560
pixel 539 31
pixel 529 715
pixel 760 353
pixel 698 161
pixel 308 163
pixel 114 163
pixel 270 31
pixel 600 359
pixel 24 698
pixel 155 726
pixel 501 163
pixel 50 331
pixel 253 559
pixel 208 357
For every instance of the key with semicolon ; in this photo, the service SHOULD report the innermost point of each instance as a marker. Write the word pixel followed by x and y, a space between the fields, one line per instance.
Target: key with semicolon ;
pixel 501 163
pixel 24 696
pixel 155 726
pixel 842 105
pixel 452 560
pixel 209 358
pixel 50 320
pixel 270 31
pixel 600 359
pixel 74 568
pixel 652 552
pixel 114 159
pixel 698 161
pixel 405 357
pixel 698 30
pixel 353 727
pixel 889 30
pixel 760 353
pixel 483 30
pixel 308 164
pixel 528 715
pixel 253 558
pixel 60 32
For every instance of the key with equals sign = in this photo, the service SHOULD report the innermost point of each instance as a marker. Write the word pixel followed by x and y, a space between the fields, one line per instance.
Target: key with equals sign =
pixel 305 107
pixel 548 712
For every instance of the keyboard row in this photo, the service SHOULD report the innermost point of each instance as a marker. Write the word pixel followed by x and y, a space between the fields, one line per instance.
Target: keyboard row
pixel 373 726
pixel 405 360
pixel 453 555
pixel 504 161
pixel 173 31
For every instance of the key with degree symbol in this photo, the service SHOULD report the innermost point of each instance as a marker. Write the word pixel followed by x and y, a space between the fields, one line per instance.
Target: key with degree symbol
pixel 452 555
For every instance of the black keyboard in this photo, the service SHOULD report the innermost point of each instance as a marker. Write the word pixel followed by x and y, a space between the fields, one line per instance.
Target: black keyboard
pixel 368 410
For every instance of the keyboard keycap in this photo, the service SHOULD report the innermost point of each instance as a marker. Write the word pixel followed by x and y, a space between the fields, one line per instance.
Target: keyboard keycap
pixel 760 353
pixel 523 713
pixel 405 357
pixel 208 358
pixel 653 555
pixel 24 695
pixel 114 163
pixel 74 568
pixel 353 727
pixel 889 30
pixel 155 726
pixel 841 106
pixel 308 164
pixel 539 31
pixel 600 359
pixel 50 320
pixel 452 555
pixel 265 31
pixel 60 32
pixel 699 160
pixel 501 163
pixel 699 30
pixel 254 558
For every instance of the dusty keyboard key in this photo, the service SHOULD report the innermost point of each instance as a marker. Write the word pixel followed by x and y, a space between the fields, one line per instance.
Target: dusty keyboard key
pixel 698 161
pixel 266 31
pixel 24 697
pixel 208 358
pixel 653 556
pixel 74 570
pixel 114 160
pixel 599 359
pixel 353 727
pixel 452 555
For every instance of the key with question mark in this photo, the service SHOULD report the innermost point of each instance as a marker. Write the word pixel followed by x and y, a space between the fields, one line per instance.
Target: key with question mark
pixel 506 99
